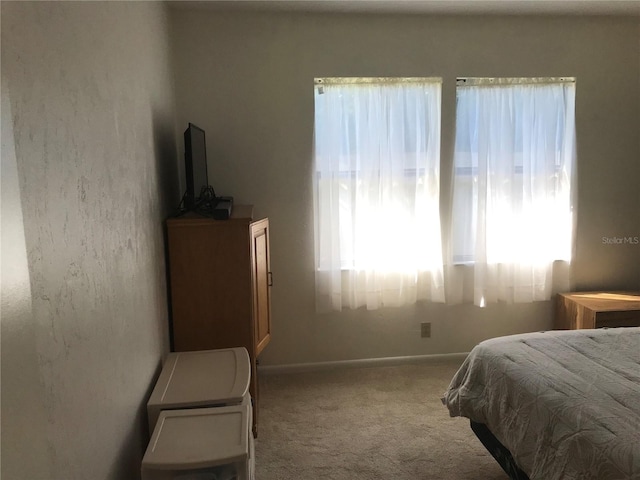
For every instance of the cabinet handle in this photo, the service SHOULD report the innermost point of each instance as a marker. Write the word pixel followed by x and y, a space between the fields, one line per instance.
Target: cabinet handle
pixel 270 279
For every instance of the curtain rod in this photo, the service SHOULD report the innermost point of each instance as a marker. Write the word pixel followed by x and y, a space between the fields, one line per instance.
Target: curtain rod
pixel 488 81
pixel 374 80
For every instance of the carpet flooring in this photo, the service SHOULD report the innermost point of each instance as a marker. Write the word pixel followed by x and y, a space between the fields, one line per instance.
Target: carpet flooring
pixel 365 424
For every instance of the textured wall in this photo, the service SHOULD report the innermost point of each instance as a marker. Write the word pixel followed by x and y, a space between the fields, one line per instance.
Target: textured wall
pixel 91 95
pixel 247 79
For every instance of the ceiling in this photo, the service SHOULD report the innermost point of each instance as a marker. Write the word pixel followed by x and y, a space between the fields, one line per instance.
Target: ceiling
pixel 467 7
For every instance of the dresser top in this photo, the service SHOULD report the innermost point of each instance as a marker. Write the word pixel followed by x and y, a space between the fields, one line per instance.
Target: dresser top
pixel 606 301
pixel 242 213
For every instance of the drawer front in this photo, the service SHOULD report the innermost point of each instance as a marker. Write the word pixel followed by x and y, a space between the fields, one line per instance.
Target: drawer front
pixel 618 319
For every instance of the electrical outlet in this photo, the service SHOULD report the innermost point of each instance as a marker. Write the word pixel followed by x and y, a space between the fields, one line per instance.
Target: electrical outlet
pixel 425 330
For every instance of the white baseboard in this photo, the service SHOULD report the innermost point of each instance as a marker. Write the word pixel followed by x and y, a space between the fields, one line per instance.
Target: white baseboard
pixel 365 362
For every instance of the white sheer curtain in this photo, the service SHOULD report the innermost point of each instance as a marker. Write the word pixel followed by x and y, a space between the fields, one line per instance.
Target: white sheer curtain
pixel 513 185
pixel 377 221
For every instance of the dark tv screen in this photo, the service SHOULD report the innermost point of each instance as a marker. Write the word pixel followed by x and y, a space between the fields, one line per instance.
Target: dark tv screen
pixel 195 156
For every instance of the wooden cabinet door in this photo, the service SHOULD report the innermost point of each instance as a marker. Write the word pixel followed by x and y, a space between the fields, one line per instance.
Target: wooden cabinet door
pixel 261 280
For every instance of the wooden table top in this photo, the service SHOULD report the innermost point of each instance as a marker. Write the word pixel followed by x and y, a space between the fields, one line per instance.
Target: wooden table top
pixel 606 301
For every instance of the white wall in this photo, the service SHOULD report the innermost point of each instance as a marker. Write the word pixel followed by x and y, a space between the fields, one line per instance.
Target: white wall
pixel 84 193
pixel 247 79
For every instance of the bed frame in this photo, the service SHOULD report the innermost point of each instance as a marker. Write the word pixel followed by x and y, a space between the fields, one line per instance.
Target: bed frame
pixel 498 451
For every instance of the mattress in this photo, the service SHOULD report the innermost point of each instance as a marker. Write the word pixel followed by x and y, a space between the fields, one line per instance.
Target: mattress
pixel 565 403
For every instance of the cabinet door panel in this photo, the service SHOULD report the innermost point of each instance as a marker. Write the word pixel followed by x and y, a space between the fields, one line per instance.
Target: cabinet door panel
pixel 261 278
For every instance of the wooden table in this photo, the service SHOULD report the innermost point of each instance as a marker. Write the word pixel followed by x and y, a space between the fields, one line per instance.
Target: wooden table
pixel 578 310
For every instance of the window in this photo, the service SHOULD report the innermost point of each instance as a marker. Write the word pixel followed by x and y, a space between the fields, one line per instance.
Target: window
pixel 376 180
pixel 513 174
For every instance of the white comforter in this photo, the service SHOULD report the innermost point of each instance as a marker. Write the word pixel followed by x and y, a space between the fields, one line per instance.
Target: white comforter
pixel 565 403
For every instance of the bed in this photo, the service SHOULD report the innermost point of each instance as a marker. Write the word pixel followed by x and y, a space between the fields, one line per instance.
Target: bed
pixel 555 405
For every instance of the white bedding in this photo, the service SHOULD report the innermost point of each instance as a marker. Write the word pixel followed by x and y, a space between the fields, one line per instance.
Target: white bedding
pixel 565 403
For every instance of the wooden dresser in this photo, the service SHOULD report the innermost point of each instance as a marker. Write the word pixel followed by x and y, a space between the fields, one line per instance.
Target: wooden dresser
pixel 220 279
pixel 577 310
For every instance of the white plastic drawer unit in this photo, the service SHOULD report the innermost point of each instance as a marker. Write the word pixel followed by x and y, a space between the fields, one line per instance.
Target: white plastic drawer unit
pixel 205 378
pixel 214 442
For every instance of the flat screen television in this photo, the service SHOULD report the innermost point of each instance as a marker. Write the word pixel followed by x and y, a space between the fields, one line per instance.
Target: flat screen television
pixel 195 158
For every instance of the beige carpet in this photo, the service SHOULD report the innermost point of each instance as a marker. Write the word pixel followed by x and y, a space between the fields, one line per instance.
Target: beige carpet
pixel 366 423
